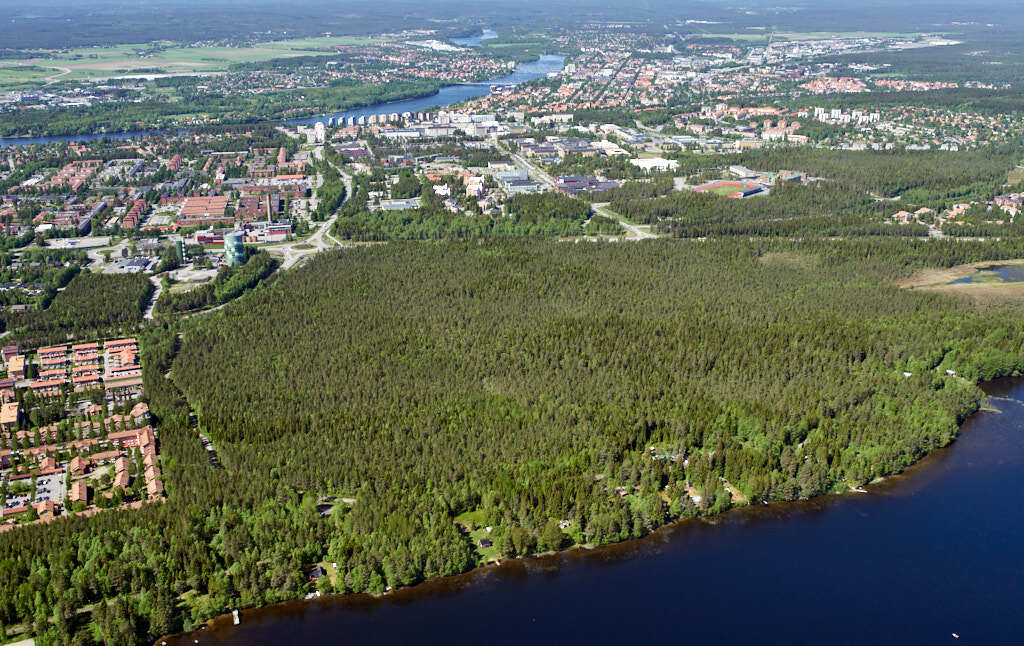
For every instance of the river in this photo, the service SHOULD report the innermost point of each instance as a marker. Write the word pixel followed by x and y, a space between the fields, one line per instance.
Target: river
pixel 475 41
pixel 932 552
pixel 446 96
pixel 451 94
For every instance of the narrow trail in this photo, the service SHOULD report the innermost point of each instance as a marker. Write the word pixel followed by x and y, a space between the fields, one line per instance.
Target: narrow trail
pixel 156 296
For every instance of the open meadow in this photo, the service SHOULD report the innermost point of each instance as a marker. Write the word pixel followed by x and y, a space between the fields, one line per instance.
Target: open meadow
pixel 91 63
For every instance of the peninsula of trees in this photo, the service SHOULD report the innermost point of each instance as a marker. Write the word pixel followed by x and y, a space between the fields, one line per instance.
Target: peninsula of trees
pixel 559 393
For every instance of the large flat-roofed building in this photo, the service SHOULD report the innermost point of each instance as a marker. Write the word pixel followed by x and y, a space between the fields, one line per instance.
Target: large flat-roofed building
pixel 658 164
pixel 203 211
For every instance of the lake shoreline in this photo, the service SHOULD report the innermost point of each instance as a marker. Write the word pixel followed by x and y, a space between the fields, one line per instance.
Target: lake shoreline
pixel 787 507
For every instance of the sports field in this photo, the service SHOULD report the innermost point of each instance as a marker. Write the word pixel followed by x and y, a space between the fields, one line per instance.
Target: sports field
pixel 724 188
pixel 724 191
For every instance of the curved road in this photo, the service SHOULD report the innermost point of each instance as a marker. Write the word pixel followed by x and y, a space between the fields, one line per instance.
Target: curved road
pixel 635 232
pixel 293 252
pixel 539 174
pixel 53 78
pixel 320 240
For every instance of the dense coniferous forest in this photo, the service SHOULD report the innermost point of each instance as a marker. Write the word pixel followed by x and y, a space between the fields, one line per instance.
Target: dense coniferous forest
pixel 986 56
pixel 824 200
pixel 601 225
pixel 563 394
pixel 925 175
pixel 890 173
pixel 985 101
pixel 91 304
pixel 520 383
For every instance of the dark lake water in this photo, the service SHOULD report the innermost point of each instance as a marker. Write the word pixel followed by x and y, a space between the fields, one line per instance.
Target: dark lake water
pixel 1006 273
pixel 446 96
pixel 923 555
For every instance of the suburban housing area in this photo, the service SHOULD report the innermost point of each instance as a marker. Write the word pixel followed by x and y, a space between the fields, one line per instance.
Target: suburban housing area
pixel 74 434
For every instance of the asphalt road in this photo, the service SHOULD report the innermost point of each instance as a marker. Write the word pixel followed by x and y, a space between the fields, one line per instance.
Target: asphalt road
pixel 320 240
pixel 538 174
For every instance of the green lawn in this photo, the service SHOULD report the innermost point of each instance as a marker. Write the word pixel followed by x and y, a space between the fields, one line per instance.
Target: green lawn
pixel 470 520
pixel 485 554
pixel 473 522
pixel 724 191
pixel 325 41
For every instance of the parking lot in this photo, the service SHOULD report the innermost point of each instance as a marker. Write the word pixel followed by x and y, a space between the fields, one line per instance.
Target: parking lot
pixel 49 487
pixel 16 501
pixel 87 242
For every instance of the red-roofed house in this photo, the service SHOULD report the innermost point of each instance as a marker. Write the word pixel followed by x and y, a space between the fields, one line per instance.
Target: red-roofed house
pixel 79 465
pixel 79 492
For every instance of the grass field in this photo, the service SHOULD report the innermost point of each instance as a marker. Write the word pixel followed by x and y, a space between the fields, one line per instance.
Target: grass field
pixel 724 191
pixel 99 62
pixel 323 41
pixel 22 77
pixel 472 522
